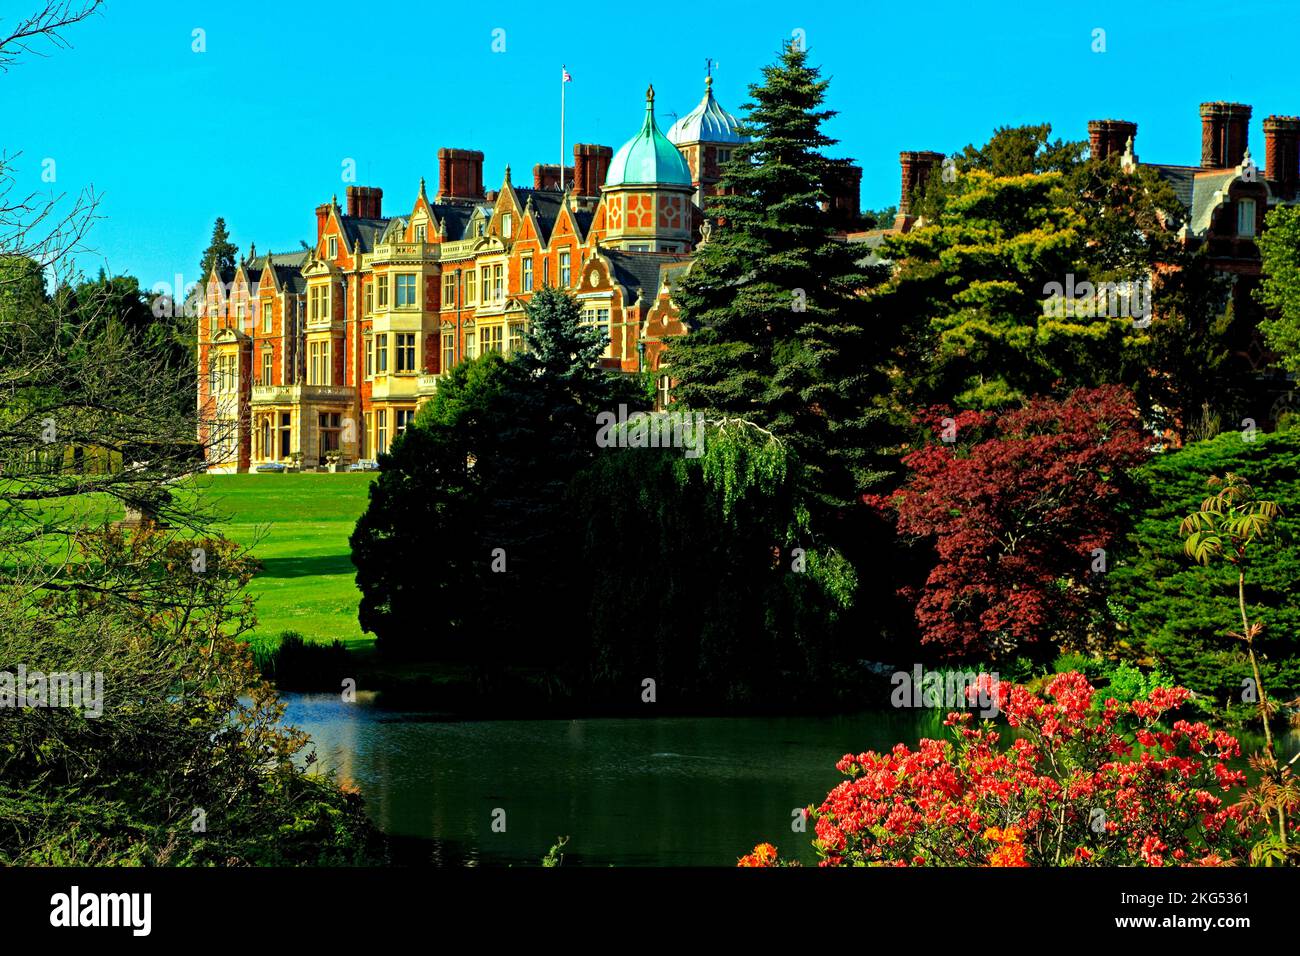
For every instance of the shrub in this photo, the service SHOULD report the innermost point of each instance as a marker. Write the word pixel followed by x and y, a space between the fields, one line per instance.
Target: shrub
pixel 1073 789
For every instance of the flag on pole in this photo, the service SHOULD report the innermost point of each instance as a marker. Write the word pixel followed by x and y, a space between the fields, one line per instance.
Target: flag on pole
pixel 567 78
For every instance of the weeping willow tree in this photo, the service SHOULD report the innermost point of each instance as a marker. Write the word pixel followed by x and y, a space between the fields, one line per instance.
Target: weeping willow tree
pixel 702 574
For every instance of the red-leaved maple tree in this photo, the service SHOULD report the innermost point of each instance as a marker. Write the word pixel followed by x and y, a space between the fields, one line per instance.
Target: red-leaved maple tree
pixel 1017 504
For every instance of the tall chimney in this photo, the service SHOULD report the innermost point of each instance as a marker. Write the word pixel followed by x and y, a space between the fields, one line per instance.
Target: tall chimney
pixel 547 176
pixel 1282 153
pixel 460 175
pixel 1224 131
pixel 365 202
pixel 843 191
pixel 322 217
pixel 1109 137
pixel 590 164
pixel 916 166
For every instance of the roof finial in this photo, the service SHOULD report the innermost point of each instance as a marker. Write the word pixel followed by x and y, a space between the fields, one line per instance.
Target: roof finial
pixel 421 185
pixel 650 97
pixel 708 72
pixel 507 174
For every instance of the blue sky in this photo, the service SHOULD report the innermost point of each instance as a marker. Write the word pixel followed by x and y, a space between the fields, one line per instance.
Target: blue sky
pixel 257 128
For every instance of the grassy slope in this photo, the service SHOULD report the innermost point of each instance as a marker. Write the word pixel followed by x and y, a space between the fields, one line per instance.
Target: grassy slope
pixel 300 524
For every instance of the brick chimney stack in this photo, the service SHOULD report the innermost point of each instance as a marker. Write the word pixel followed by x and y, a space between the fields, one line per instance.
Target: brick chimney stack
pixel 1282 153
pixel 843 191
pixel 460 175
pixel 1109 137
pixel 1224 131
pixel 547 176
pixel 322 217
pixel 365 202
pixel 916 167
pixel 590 164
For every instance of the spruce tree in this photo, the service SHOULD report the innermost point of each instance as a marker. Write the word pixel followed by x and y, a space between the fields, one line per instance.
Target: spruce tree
pixel 221 252
pixel 774 300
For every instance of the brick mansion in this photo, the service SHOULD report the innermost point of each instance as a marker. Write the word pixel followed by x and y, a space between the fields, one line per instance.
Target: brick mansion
pixel 324 354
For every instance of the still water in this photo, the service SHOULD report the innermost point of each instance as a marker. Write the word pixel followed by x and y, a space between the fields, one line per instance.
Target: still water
pixel 634 792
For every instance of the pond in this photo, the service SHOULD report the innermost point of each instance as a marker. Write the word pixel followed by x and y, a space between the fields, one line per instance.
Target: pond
pixel 627 792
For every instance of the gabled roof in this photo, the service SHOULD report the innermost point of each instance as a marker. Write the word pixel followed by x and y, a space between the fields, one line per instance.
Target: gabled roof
pixel 1209 190
pixel 395 231
pixel 640 270
pixel 454 218
pixel 367 231
pixel 546 209
pixel 286 267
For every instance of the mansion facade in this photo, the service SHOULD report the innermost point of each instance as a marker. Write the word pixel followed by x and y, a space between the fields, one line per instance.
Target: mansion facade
pixel 324 355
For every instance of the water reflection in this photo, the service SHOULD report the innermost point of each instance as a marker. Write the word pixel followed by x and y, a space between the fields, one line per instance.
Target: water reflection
pixel 632 792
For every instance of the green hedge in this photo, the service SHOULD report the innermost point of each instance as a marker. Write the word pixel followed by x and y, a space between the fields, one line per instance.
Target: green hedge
pixel 1178 614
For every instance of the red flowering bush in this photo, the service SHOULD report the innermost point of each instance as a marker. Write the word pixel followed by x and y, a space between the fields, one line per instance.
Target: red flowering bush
pixel 1077 787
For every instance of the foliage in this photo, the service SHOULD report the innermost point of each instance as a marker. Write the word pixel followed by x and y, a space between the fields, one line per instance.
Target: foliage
pixel 1072 789
pixel 187 726
pixel 457 547
pixel 220 254
pixel 430 489
pixel 1178 615
pixel 1016 505
pixel 179 757
pixel 972 286
pixel 773 299
pixel 1224 527
pixel 555 855
pixel 752 620
pixel 1279 248
pixel 293 663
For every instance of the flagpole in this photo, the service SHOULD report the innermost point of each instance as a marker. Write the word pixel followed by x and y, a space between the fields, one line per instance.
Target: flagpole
pixel 563 70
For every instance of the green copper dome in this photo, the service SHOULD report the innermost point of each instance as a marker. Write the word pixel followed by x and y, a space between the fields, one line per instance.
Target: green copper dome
pixel 648 157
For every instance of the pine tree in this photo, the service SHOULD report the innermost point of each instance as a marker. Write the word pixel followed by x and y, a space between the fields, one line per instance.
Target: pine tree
pixel 221 252
pixel 774 301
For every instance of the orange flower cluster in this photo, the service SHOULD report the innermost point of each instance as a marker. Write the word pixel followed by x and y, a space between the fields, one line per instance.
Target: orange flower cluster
pixel 1010 851
pixel 764 855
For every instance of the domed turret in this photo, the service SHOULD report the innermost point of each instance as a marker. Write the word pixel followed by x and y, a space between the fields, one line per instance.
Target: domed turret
pixel 648 157
pixel 647 194
pixel 706 137
pixel 707 123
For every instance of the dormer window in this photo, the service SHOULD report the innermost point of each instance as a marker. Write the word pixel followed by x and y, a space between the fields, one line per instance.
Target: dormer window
pixel 1245 217
pixel 479 228
pixel 507 224
pixel 333 247
pixel 420 233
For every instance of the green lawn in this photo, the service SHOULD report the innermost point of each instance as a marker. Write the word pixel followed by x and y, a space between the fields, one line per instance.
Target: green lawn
pixel 301 524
